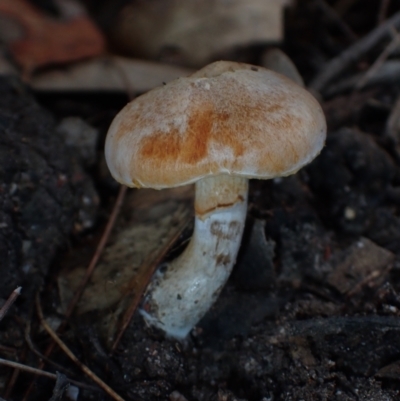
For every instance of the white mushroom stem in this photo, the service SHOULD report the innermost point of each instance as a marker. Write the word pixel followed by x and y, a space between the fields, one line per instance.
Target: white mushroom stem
pixel 184 290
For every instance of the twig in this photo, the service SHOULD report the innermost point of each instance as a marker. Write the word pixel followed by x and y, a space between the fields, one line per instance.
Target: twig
pixel 7 350
pixel 99 250
pixel 71 355
pixel 336 18
pixel 151 264
pixel 39 372
pixel 11 382
pixel 7 305
pixel 388 73
pixel 354 52
pixel 39 354
pixel 377 64
pixel 89 271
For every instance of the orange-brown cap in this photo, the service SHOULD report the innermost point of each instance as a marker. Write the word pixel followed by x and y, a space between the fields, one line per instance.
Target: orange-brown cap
pixel 227 118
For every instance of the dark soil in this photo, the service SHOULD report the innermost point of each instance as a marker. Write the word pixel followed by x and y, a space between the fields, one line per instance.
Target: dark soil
pixel 43 187
pixel 312 309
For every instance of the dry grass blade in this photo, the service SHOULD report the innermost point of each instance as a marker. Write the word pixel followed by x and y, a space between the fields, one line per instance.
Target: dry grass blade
pixel 103 241
pixel 104 238
pixel 8 350
pixel 70 354
pixel 40 355
pixel 7 305
pixel 338 64
pixel 11 383
pixel 29 369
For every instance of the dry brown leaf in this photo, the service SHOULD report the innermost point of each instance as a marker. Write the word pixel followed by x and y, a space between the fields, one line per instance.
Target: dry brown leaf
pixel 45 40
pixel 149 220
pixel 193 32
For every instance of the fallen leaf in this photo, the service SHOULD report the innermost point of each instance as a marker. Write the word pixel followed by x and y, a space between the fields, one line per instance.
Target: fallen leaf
pixel 107 73
pixel 148 223
pixel 48 40
pixel 194 32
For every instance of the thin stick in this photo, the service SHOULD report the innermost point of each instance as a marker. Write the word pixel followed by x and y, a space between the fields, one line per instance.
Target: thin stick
pixel 336 18
pixel 99 250
pixel 377 64
pixel 8 350
pixel 89 271
pixel 11 299
pixel 149 271
pixel 40 355
pixel 71 355
pixel 11 383
pixel 338 64
pixel 39 372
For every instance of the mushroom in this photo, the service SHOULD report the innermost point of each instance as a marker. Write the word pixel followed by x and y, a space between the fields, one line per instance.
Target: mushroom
pixel 217 128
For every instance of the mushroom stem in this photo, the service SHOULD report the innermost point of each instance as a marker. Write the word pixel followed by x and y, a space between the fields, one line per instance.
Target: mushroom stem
pixel 184 290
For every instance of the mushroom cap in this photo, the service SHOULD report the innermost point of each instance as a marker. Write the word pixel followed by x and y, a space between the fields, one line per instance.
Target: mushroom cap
pixel 227 118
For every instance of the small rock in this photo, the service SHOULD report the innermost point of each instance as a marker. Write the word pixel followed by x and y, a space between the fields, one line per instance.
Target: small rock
pixel 358 262
pixel 80 137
